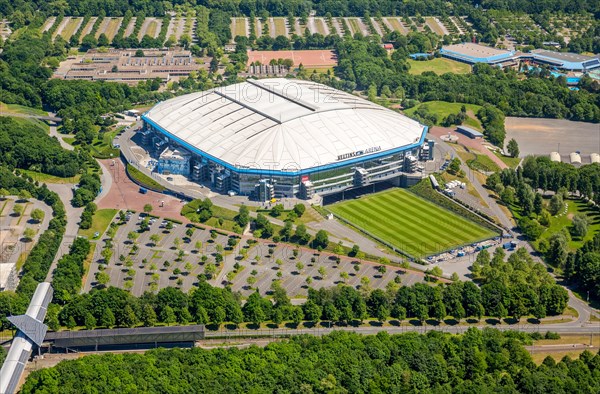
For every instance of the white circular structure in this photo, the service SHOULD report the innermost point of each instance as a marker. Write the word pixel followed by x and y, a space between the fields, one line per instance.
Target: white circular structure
pixel 280 128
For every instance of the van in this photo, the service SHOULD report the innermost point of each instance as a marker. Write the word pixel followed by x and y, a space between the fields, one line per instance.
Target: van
pixel 143 190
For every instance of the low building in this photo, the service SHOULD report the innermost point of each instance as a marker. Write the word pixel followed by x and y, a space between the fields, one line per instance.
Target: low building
pixel 471 53
pixel 563 60
pixel 469 132
pixel 126 66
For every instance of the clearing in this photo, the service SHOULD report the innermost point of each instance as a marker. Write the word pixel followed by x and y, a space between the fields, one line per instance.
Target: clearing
pixel 412 224
pixel 443 108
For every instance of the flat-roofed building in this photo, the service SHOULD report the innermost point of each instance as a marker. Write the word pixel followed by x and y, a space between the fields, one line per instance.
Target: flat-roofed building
pixel 471 53
pixel 123 65
pixel 563 60
pixel 469 132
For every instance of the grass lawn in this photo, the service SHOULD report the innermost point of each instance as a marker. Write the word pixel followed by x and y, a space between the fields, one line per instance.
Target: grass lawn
pixel 320 25
pixel 439 66
pixel 564 221
pixel 280 27
pixel 47 178
pixel 70 27
pixel 319 70
pixel 100 222
pixel 20 109
pixel 113 27
pixel 435 27
pixel 102 145
pixel 483 163
pixel 354 26
pixel 396 25
pixel 512 162
pixel 412 224
pixel 240 27
pixel 143 179
pixel 152 29
pixel 443 108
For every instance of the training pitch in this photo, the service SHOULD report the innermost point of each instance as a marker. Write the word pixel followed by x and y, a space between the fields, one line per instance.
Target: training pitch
pixel 410 223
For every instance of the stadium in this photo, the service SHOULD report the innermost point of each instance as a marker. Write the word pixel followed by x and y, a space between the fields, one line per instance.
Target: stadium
pixel 283 138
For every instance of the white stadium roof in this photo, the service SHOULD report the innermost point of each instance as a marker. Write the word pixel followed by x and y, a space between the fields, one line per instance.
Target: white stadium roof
pixel 283 125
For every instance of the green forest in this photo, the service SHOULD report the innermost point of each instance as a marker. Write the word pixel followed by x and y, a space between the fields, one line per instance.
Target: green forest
pixel 487 361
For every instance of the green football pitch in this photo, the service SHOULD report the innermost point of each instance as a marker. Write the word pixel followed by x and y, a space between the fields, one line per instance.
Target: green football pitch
pixel 410 223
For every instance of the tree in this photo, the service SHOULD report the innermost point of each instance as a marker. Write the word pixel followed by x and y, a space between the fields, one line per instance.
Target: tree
pixel 299 209
pixel 103 40
pixel 580 225
pixel 37 215
pixel 454 166
pixel 344 275
pixel 147 208
pixel 89 321
pixel 148 316
pixel 107 319
pixel 508 195
pixel 321 240
pixel 201 316
pixel 3 193
pixel 28 234
pixel 322 271
pixel 167 315
pixel 102 278
pixel 556 204
pixel 299 266
pixel 219 316
pixel 18 209
pixel 24 195
pixel 71 324
pixel 129 317
pixel 513 148
pixel 132 236
pixel 155 238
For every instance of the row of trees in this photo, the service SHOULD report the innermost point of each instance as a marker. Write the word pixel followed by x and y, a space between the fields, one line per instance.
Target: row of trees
pixel 477 361
pixel 67 275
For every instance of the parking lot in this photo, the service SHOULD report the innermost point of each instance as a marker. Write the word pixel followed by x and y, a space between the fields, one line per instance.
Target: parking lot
pixel 138 262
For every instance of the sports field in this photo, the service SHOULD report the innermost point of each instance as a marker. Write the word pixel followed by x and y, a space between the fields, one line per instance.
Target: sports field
pixel 412 224
pixel 439 66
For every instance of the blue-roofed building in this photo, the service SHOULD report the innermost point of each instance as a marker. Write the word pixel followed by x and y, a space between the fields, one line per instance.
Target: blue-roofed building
pixel 563 60
pixel 469 132
pixel 471 53
pixel 416 56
